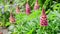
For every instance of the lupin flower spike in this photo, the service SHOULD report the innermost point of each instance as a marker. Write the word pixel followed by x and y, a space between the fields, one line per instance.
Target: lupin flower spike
pixel 11 19
pixel 18 9
pixel 43 18
pixel 27 8
pixel 36 6
pixel 1 32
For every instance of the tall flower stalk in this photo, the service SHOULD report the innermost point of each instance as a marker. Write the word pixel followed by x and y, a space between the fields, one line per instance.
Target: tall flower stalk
pixel 43 18
pixel 36 6
pixel 18 9
pixel 27 8
pixel 11 18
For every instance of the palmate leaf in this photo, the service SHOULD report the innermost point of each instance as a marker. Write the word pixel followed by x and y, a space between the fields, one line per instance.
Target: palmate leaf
pixel 31 31
pixel 26 18
pixel 56 7
pixel 32 25
pixel 29 28
pixel 34 15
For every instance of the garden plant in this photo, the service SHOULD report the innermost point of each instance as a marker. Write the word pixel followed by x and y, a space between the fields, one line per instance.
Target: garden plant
pixel 30 16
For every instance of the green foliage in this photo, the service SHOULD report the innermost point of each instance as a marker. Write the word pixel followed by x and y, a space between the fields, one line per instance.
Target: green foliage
pixel 30 24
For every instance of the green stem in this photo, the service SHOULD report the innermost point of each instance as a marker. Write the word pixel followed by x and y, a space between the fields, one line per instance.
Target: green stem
pixel 44 30
pixel 27 1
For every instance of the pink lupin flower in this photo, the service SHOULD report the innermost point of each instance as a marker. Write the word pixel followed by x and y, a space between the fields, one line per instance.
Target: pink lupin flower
pixel 27 8
pixel 11 19
pixel 43 18
pixel 36 6
pixel 1 32
pixel 17 10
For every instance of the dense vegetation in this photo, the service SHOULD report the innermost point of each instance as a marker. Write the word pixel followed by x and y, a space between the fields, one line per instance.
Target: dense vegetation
pixel 30 24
